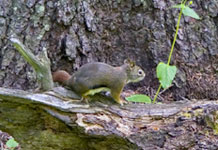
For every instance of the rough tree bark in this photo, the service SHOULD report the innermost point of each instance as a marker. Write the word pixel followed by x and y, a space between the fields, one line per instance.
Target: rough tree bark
pixel 77 32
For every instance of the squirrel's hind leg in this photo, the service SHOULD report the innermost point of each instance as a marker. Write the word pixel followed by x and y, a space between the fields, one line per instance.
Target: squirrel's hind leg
pixel 115 94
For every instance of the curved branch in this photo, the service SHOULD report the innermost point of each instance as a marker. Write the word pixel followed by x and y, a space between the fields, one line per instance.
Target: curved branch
pixel 40 65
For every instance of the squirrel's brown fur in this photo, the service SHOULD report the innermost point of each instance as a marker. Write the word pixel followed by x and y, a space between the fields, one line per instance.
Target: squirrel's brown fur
pixel 100 75
pixel 61 76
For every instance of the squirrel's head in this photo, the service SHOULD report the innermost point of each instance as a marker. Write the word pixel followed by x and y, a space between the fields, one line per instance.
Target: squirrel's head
pixel 134 72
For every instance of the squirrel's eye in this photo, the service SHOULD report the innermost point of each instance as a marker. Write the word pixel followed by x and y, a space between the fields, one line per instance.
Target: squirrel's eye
pixel 140 72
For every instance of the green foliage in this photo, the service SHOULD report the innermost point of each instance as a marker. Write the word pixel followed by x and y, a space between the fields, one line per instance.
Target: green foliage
pixel 187 11
pixel 179 6
pixel 140 98
pixel 11 144
pixel 166 74
pixel 190 12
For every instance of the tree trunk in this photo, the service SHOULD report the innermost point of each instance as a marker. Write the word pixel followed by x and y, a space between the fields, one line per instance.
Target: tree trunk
pixel 77 32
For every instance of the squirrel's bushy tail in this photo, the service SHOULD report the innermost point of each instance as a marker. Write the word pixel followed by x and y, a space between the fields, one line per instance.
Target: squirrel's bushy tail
pixel 61 77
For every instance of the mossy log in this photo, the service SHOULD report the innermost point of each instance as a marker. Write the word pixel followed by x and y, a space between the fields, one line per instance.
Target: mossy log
pixel 150 126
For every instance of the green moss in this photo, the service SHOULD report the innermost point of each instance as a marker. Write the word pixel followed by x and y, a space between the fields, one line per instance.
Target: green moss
pixel 34 129
pixel 212 121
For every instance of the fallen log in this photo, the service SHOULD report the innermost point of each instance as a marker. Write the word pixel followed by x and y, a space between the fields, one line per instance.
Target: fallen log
pixel 150 126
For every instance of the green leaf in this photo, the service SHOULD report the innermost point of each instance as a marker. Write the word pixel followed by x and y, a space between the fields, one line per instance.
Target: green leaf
pixel 178 6
pixel 165 74
pixel 12 143
pixel 140 98
pixel 190 12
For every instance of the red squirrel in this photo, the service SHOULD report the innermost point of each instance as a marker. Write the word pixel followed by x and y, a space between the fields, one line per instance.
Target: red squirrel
pixel 99 75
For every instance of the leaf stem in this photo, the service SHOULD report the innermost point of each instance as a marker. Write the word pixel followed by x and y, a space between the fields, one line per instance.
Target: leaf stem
pixel 174 41
pixel 155 97
pixel 175 36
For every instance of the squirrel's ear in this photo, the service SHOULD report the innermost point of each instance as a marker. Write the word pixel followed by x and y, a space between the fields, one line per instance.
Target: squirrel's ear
pixel 129 62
